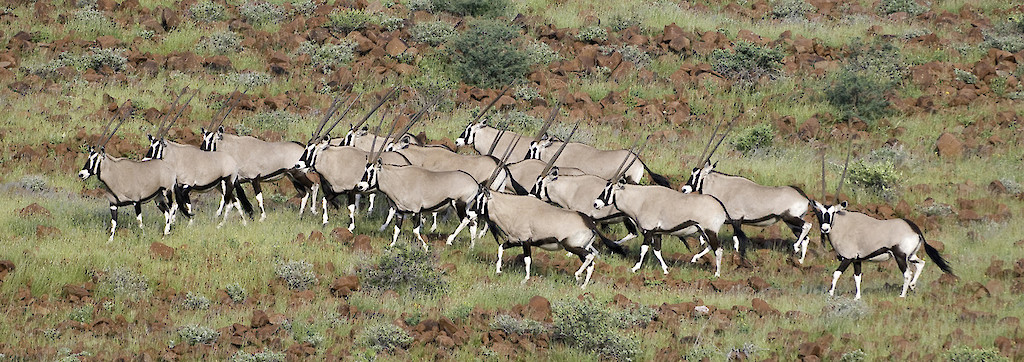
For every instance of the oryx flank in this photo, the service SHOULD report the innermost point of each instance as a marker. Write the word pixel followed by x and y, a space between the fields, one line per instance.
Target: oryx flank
pixel 527 172
pixel 593 161
pixel 485 138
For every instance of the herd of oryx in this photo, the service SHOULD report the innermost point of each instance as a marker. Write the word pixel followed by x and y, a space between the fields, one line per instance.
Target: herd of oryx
pixel 530 191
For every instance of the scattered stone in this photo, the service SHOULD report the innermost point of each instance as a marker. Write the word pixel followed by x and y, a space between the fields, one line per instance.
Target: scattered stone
pixel 6 267
pixel 259 319
pixel 762 308
pixel 75 292
pixel 342 235
pixel 43 231
pixel 361 243
pixel 34 209
pixel 758 284
pixel 949 147
pixel 161 251
pixel 344 286
pixel 538 309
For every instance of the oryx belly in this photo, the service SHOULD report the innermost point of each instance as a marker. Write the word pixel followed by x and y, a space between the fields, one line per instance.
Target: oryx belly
pixel 855 235
pixel 135 180
pixel 341 167
pixel 661 208
pixel 414 189
pixel 257 158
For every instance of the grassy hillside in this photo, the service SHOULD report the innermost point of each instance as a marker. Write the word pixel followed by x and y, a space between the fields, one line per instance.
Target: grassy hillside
pixel 927 94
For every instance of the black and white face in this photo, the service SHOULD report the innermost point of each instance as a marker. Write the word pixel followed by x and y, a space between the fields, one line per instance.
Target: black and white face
pixel 210 139
pixel 156 149
pixel 468 136
pixel 369 180
pixel 480 202
pixel 826 214
pixel 607 196
pixel 540 189
pixel 536 148
pixel 92 165
pixel 696 181
pixel 310 154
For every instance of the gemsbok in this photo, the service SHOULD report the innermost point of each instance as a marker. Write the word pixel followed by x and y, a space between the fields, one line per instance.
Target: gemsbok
pixel 594 161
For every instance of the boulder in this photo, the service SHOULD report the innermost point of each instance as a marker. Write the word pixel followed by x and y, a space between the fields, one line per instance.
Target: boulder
pixel 161 251
pixel 344 286
pixel 949 147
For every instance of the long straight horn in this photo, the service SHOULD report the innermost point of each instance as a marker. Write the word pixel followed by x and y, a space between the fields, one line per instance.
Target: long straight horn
pixel 547 124
pixel 343 114
pixel 383 99
pixel 327 115
pixel 489 105
pixel 634 155
pixel 728 127
pixel 849 147
pixel 501 162
pixel 551 162
pixel 123 117
pixel 494 144
pixel 112 119
pixel 180 111
pixel 631 149
pixel 375 155
pixel 174 105
pixel 227 108
pixel 233 105
pixel 710 140
pixel 823 189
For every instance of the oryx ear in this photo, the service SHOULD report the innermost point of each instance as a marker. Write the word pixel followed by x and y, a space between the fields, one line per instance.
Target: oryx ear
pixel 707 163
pixel 103 150
pixel 714 165
pixel 202 130
pixel 220 129
pixel 151 139
pixel 817 205
pixel 842 205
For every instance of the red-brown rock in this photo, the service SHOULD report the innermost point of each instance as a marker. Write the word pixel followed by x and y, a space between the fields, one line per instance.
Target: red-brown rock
pixel 762 308
pixel 342 235
pixel 361 243
pixel 161 251
pixel 344 286
pixel 949 147
pixel 43 231
pixel 259 319
pixel 539 309
pixel 6 267
pixel 34 209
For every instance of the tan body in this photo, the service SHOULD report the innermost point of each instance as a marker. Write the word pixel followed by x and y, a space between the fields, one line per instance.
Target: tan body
pixel 526 172
pixel 129 182
pixel 441 159
pixel 199 170
pixel 483 142
pixel 592 161
pixel 340 169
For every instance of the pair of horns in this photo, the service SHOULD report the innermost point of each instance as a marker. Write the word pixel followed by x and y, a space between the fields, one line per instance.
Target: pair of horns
pixel 489 105
pixel 501 162
pixel 104 136
pixel 846 165
pixel 704 155
pixel 631 157
pixel 412 121
pixel 391 92
pixel 162 130
pixel 214 123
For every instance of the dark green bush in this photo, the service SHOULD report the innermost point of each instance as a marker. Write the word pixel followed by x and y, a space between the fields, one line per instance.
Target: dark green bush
pixel 487 8
pixel 879 178
pixel 912 7
pixel 748 62
pixel 858 95
pixel 405 270
pixel 754 138
pixel 589 325
pixel 485 55
pixel 968 354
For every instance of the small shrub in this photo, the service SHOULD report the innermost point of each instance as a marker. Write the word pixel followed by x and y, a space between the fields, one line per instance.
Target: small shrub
pixel 846 309
pixel 965 76
pixel 791 9
pixel 856 355
pixel 744 352
pixel 248 79
pixel 622 20
pixel 526 93
pixel 236 292
pixel 405 270
pixel 879 58
pixel 275 120
pixel 328 57
pixel 195 334
pixel 858 95
pixel 390 23
pixel 207 12
pixel 259 13
pixel 633 54
pixel 937 210
pixel 911 7
pixel 348 20
pixel 34 183
pixel 754 139
pixel 640 316
pixel 221 43
pixel 264 356
pixel 432 32
pixel 1012 186
pixel 195 301
pixel 298 275
pixel 91 23
pixel 583 134
pixel 913 33
pixel 894 154
pixel 511 325
pixel 748 62
pixel 592 34
pixel 82 314
pixel 968 354
pixel 484 54
pixel 477 8
pixel 304 333
pixel 539 53
pixel 98 58
pixel 385 337
pixel 588 325
pixel 51 333
pixel 122 282
pixel 879 177
pixel 415 5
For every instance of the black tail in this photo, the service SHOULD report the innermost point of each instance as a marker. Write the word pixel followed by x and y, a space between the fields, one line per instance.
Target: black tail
pixel 244 200
pixel 608 243
pixel 928 249
pixel 658 179
pixel 743 239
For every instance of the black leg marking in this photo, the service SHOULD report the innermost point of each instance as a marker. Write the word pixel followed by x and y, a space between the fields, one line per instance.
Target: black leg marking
pixel 843 264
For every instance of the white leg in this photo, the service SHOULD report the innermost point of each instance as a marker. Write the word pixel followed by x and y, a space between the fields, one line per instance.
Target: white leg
pixel 835 278
pixel 700 254
pixel 351 217
pixel 664 267
pixel 803 240
pixel 626 238
pixel 391 215
pixel 736 243
pixel 501 251
pixel 302 204
pixel 416 230
pixel 263 211
pixel 718 262
pixel 245 220
pixel 527 261
pixel 586 262
pixel 472 233
pixel 325 211
pixel 370 209
pixel 394 239
pixel 483 230
pixel 643 253
pixel 434 227
pixel 312 206
pixel 223 191
pixel 465 220
pixel 188 206
pixel 856 279
pixel 168 219
pixel 590 271
pixel 113 224
pixel 917 272
pixel 139 217
pixel 224 218
pixel 908 275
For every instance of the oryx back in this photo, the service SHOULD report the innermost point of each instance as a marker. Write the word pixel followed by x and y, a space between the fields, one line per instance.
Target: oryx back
pixel 659 208
pixel 747 200
pixel 197 167
pixel 577 193
pixel 483 138
pixel 258 158
pixel 855 235
pixel 135 181
pixel 441 159
pixel 526 218
pixel 592 161
pixel 526 172
pixel 415 189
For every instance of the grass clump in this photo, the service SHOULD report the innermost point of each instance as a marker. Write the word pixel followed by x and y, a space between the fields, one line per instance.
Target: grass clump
pixel 248 79
pixel 791 9
pixel 754 139
pixel 195 301
pixel 856 355
pixel 297 274
pixel 385 337
pixel 477 8
pixel 263 356
pixel 304 7
pixel 236 292
pixel 630 53
pixel 968 354
pixel 748 62
pixel 122 282
pixel 965 76
pixel 259 13
pixel 516 120
pixel 220 43
pixel 207 12
pixel 327 57
pixel 484 55
pixel 433 33
pixel 911 7
pixel 415 5
pixel 405 270
pixel 90 23
pixel 194 334
pixel 511 325
pixel 880 178
pixel 82 314
pixel 588 325
pixel 98 58
pixel 1007 35
pixel 275 120
pixel 347 20
pixel 592 34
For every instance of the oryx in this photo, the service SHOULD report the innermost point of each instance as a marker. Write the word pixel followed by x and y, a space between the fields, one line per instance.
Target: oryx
pixel 749 203
pixel 527 172
pixel 129 182
pixel 199 170
pixel 593 161
pixel 659 210
pixel 857 238
pixel 259 161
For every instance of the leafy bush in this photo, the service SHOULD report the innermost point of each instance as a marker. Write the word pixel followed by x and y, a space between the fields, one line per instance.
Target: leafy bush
pixel 99 57
pixel 592 34
pixel 894 154
pixel 526 93
pixel 222 42
pixel 858 95
pixel 511 325
pixel 755 138
pixel 82 314
pixel 385 337
pixel 414 5
pixel 854 356
pixel 641 316
pixel 432 32
pixel 915 32
pixel 879 177
pixel 122 282
pixel 912 7
pixel 630 53
pixel 261 13
pixel 479 8
pixel 390 23
pixel 405 270
pixel 539 53
pixel 1007 35
pixel 91 23
pixel 195 301
pixel 195 334
pixel 588 325
pixel 791 9
pixel 484 55
pixel 34 183
pixel 327 57
pixel 965 76
pixel 968 354
pixel 879 58
pixel 748 62
pixel 305 333
pixel 265 356
pixel 304 7
pixel 347 20
pixel 207 12
pixel 846 309
pixel 248 79
pixel 297 274
pixel 236 292
pixel 275 120
pixel 625 19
